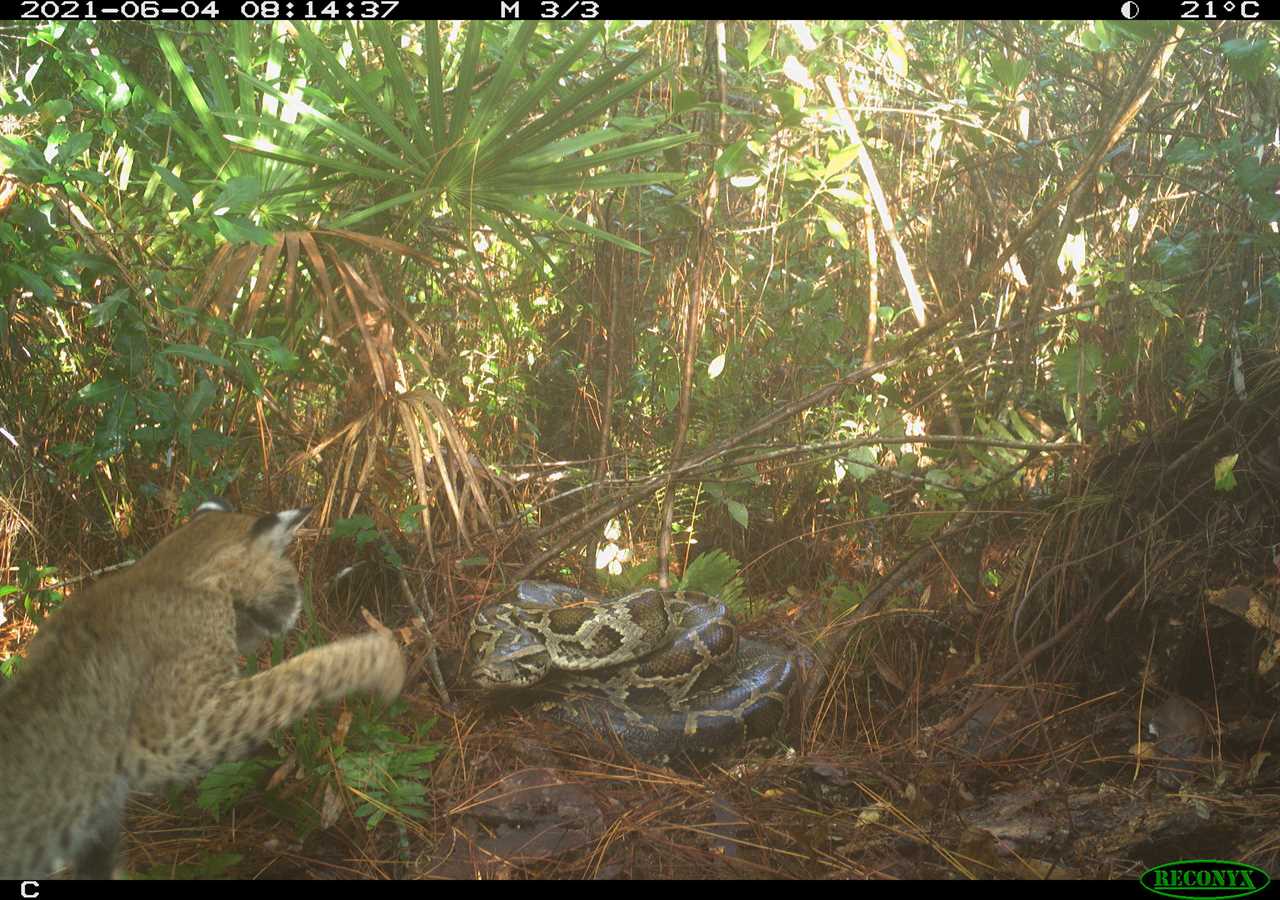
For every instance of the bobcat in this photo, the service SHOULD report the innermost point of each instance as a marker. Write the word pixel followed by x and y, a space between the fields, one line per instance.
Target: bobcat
pixel 133 684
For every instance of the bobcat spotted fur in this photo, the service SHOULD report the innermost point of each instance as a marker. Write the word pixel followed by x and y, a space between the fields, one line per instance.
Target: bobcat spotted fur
pixel 134 684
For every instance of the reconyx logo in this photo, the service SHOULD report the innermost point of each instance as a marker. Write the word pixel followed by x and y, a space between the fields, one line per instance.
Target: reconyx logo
pixel 1204 879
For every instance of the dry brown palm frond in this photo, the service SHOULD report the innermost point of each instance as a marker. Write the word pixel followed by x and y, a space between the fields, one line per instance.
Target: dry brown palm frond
pixel 377 407
pixel 262 282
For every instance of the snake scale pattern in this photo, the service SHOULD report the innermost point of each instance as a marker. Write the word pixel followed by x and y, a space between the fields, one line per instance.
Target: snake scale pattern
pixel 664 671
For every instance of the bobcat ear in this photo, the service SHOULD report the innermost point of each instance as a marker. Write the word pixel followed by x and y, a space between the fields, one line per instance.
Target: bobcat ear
pixel 278 528
pixel 217 504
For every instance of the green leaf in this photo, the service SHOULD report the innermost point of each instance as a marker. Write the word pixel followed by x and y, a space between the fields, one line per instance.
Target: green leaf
pixel 1009 72
pixel 860 462
pixel 1249 59
pixel 737 511
pixel 1075 368
pixel 716 573
pixel 242 231
pixel 925 525
pixel 56 109
pixel 354 138
pixel 1177 258
pixel 410 521
pixel 178 67
pixel 731 159
pixel 339 77
pixel 101 391
pixel 238 195
pixel 1255 179
pixel 228 783
pixel 839 161
pixel 358 527
pixel 280 356
pixel 834 228
pixel 1189 151
pixel 1224 476
pixel 102 313
pixel 554 152
pixel 75 145
pixel 203 395
pixel 760 34
pixel 685 101
pixel 197 354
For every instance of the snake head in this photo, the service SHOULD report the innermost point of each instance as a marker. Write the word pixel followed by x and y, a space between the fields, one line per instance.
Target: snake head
pixel 519 669
pixel 500 657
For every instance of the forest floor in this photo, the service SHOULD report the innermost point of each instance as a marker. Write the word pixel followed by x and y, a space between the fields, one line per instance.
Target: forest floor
pixel 1108 707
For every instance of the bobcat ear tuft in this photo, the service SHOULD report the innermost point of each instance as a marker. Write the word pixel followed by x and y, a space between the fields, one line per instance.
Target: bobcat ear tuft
pixel 217 504
pixel 278 528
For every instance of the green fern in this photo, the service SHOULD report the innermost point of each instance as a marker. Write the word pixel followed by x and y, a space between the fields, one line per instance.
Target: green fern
pixel 629 579
pixel 388 769
pixel 228 783
pixel 716 573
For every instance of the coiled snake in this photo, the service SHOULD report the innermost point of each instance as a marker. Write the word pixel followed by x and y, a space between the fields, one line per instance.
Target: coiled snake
pixel 663 670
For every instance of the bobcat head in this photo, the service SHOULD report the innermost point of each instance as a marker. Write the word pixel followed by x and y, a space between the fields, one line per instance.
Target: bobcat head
pixel 238 556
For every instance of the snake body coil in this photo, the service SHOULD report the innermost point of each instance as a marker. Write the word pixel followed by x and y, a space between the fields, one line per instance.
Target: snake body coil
pixel 662 670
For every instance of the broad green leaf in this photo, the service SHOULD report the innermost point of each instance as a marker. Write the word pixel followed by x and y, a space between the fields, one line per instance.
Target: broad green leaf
pixel 1224 474
pixel 1177 257
pixel 859 463
pixel 240 231
pixel 197 354
pixel 1076 368
pixel 56 109
pixel 760 34
pixel 853 198
pixel 103 313
pixel 239 194
pixel 1249 59
pixel 31 281
pixel 737 511
pixel 75 145
pixel 1189 151
pixel 101 391
pixel 200 399
pixel 1009 72
pixel 685 101
pixel 281 356
pixel 834 228
pixel 839 161
pixel 731 159
pixel 925 525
